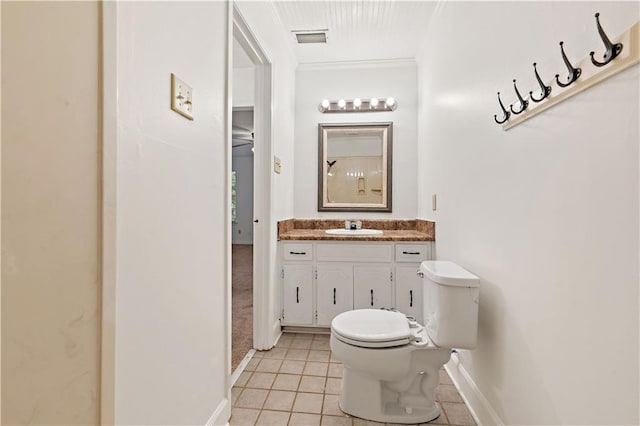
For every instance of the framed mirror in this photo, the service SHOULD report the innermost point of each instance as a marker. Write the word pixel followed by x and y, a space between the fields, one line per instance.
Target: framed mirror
pixel 354 167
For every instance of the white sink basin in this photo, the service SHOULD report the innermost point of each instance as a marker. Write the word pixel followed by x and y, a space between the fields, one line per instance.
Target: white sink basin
pixel 342 231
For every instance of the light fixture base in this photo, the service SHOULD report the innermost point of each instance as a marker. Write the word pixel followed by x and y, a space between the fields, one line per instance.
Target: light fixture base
pixel 365 106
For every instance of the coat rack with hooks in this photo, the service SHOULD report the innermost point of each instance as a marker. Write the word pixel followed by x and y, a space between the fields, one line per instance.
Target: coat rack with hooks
pixel 619 55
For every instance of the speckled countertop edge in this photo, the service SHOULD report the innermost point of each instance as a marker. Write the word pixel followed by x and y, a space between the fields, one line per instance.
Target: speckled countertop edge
pixel 392 230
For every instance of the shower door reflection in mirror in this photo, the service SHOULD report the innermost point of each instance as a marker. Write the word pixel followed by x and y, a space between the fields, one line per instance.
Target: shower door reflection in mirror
pixel 354 167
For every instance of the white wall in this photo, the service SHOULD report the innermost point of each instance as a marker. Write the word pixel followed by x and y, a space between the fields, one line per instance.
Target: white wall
pixel 50 213
pixel 545 213
pixel 276 44
pixel 314 83
pixel 171 365
pixel 243 87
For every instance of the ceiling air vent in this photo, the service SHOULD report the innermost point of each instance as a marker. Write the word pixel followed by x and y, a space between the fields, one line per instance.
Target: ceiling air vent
pixel 310 36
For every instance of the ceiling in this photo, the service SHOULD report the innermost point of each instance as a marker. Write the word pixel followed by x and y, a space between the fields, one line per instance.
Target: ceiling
pixel 358 30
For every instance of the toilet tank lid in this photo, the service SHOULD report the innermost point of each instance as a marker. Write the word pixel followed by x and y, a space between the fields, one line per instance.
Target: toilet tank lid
pixel 448 273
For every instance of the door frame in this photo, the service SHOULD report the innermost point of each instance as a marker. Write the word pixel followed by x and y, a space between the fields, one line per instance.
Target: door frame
pixel 262 119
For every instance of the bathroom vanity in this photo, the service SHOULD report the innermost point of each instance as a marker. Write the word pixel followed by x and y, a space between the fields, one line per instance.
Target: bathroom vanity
pixel 324 275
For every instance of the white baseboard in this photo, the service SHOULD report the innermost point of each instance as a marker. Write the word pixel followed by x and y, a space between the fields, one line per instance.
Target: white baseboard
pixel 276 331
pixel 240 368
pixel 221 415
pixel 480 408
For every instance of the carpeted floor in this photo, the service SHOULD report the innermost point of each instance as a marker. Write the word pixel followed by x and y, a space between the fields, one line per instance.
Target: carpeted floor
pixel 241 302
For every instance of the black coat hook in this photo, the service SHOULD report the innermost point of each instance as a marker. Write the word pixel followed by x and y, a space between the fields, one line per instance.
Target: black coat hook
pixel 545 90
pixel 505 114
pixel 574 73
pixel 523 103
pixel 612 50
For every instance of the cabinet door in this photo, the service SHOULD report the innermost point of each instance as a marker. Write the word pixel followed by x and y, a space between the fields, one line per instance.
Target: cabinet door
pixel 334 290
pixel 297 295
pixel 372 286
pixel 409 291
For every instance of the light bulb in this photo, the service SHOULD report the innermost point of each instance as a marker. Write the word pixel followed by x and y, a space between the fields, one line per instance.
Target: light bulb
pixel 324 105
pixel 342 103
pixel 357 102
pixel 373 102
pixel 390 102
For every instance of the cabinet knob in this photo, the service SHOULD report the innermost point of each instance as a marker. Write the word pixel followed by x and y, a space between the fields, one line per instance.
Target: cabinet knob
pixel 334 296
pixel 371 297
pixel 297 294
pixel 411 298
pixel 420 273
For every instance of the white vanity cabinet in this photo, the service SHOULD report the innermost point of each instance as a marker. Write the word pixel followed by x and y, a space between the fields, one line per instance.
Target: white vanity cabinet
pixel 408 285
pixel 372 287
pixel 334 291
pixel 297 294
pixel 409 291
pixel 321 279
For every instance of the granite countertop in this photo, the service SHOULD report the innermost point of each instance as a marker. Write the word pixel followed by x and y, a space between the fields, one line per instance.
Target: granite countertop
pixel 392 230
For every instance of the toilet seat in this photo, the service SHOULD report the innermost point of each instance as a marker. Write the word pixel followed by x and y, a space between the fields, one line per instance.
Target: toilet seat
pixel 372 328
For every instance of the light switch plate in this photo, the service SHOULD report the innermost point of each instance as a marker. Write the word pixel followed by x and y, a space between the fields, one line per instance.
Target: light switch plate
pixel 181 97
pixel 277 165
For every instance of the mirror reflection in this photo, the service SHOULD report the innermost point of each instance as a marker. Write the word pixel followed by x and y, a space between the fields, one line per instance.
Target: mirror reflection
pixel 354 167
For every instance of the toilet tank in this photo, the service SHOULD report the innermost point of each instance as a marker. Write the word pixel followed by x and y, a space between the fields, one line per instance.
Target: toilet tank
pixel 450 299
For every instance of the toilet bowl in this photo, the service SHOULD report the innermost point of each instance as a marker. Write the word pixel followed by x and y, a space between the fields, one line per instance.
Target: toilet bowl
pixel 387 377
pixel 391 363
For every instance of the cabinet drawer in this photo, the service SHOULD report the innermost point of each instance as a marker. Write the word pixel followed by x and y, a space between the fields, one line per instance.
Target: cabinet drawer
pixel 412 252
pixel 293 251
pixel 345 252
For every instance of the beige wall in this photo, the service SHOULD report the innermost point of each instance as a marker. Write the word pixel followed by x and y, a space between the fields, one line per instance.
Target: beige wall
pixel 50 152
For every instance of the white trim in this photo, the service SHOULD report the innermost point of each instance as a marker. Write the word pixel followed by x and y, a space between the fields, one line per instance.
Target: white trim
pixel 480 408
pixel 109 45
pixel 0 209
pixel 227 220
pixel 240 368
pixel 373 63
pixel 221 412
pixel 276 331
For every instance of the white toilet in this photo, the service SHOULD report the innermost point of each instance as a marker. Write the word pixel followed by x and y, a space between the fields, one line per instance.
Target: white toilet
pixel 391 363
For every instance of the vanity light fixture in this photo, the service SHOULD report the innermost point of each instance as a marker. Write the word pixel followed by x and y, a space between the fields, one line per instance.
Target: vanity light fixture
pixel 358 105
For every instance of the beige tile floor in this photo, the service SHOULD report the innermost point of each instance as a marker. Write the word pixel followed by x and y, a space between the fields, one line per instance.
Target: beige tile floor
pixel 298 383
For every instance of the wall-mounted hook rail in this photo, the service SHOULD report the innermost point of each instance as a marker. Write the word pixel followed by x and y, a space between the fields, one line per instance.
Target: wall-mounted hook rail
pixel 590 75
pixel 612 50
pixel 523 103
pixel 574 73
pixel 505 114
pixel 544 89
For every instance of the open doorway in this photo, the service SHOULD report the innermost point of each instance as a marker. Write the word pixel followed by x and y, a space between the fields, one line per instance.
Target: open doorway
pixel 250 78
pixel 242 213
pixel 242 235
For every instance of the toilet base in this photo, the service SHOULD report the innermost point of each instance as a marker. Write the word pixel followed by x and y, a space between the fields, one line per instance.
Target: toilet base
pixel 364 397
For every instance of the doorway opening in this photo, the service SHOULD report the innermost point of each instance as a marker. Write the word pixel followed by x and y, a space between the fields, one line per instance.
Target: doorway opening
pixel 250 161
pixel 242 145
